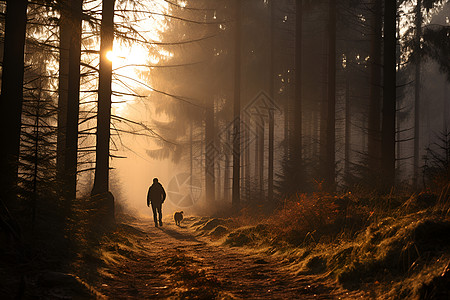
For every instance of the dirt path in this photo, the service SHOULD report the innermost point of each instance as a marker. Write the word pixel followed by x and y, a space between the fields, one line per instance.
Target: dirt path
pixel 172 263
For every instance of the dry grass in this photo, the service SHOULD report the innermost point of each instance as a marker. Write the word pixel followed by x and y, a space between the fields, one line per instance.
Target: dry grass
pixel 396 246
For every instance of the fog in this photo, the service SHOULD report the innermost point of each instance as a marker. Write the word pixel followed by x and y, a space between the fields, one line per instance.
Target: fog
pixel 174 93
pixel 192 75
pixel 315 130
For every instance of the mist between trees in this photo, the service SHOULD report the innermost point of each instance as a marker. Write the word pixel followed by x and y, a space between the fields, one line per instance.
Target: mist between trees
pixel 229 103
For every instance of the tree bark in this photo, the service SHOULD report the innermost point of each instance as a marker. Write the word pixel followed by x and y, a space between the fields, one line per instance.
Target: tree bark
pixel 445 117
pixel 348 131
pixel 287 119
pixel 65 34
pixel 37 143
pixel 417 93
pixel 73 102
pixel 209 155
pixel 323 115
pixel 191 154
pixel 101 181
pixel 12 96
pixel 247 160
pixel 260 128
pixel 272 97
pixel 257 161
pixel 237 110
pixel 331 111
pixel 296 153
pixel 389 95
pixel 374 139
pixel 226 176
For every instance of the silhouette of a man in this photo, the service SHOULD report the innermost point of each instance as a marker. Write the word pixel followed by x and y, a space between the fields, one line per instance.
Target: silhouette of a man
pixel 156 195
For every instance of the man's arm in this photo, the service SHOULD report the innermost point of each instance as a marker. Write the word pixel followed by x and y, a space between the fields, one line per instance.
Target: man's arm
pixel 163 194
pixel 148 197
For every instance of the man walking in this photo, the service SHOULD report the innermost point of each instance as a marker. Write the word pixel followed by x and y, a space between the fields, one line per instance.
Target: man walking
pixel 156 195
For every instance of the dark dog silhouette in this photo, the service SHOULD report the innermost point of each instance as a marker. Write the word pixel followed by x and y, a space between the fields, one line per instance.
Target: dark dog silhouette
pixel 178 217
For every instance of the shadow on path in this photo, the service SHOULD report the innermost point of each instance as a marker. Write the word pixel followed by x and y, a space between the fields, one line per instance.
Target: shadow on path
pixel 178 235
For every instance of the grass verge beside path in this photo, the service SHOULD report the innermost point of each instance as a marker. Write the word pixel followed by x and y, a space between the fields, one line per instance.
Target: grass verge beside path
pixel 392 247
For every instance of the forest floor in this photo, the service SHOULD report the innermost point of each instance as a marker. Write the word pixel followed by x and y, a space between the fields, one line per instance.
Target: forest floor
pixel 395 248
pixel 173 262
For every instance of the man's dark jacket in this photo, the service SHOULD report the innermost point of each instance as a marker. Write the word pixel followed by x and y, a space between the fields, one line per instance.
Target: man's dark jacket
pixel 156 194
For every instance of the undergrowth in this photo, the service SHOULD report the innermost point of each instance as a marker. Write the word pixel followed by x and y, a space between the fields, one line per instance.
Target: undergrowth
pixel 396 246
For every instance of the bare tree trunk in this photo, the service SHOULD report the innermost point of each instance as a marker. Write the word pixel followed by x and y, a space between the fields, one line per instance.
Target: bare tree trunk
pixel 101 181
pixel 364 139
pixel 237 110
pixel 12 96
pixel 417 93
pixel 226 176
pixel 65 36
pixel 191 154
pixel 398 148
pixel 261 160
pixel 257 160
pixel 296 155
pixel 389 95
pixel 374 139
pixel 209 155
pixel 323 115
pixel 73 100
pixel 445 105
pixel 348 131
pixel 331 113
pixel 272 97
pixel 307 153
pixel 271 157
pixel 316 122
pixel 36 161
pixel 247 161
pixel 218 188
pixel 287 120
pixel 242 179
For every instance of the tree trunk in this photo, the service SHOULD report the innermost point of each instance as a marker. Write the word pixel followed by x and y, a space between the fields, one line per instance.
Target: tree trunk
pixel 37 143
pixel 65 34
pixel 101 180
pixel 257 162
pixel 417 93
pixel 445 117
pixel 260 129
pixel 247 160
pixel 348 131
pixel 209 155
pixel 191 155
pixel 287 119
pixel 237 110
pixel 12 96
pixel 272 97
pixel 307 151
pixel 73 99
pixel 296 153
pixel 226 176
pixel 331 111
pixel 389 95
pixel 374 139
pixel 364 139
pixel 323 118
pixel 316 122
pixel 218 180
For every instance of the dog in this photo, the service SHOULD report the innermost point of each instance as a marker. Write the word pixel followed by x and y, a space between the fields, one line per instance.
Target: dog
pixel 178 217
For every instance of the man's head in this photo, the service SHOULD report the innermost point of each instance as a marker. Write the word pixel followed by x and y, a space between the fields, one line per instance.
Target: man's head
pixel 155 180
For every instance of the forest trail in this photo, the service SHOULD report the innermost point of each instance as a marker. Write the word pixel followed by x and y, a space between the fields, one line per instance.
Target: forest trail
pixel 171 262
